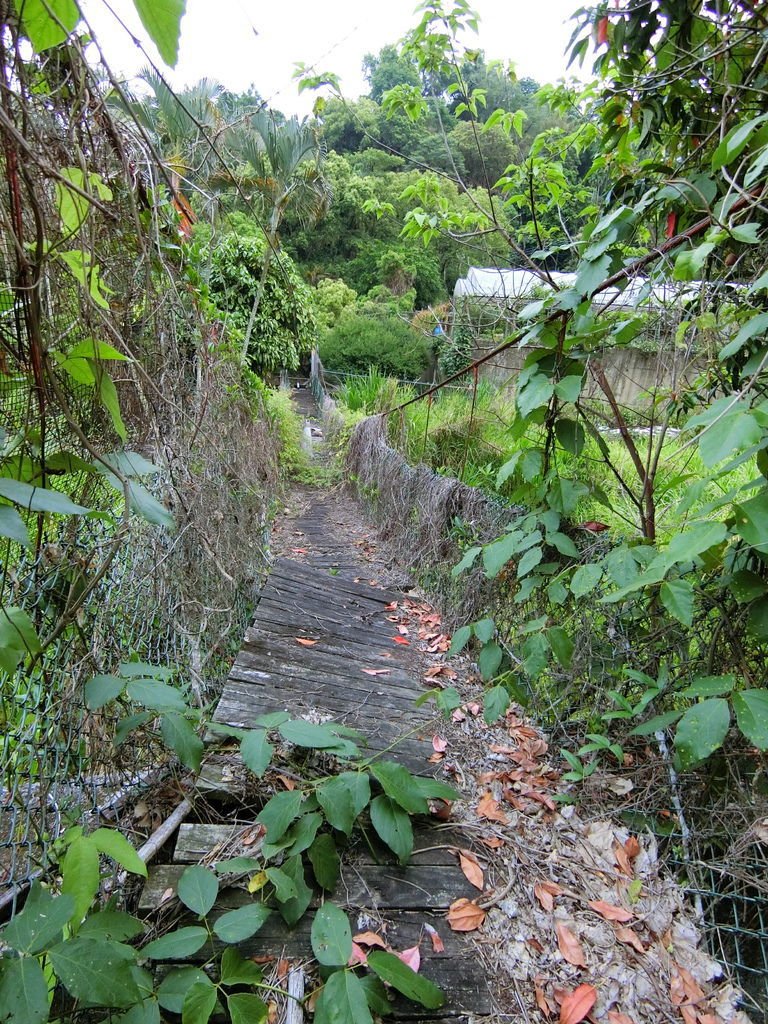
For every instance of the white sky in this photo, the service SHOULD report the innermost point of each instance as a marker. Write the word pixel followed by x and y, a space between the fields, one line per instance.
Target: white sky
pixel 239 42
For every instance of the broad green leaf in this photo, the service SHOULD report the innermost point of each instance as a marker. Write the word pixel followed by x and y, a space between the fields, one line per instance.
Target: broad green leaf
pixel 292 910
pixel 47 23
pixel 731 434
pixel 535 394
pixel 331 936
pixel 284 887
pixel 752 521
pixel 495 703
pixel 484 630
pixel 162 20
pixel 497 554
pixel 145 1012
pixel 236 865
pixel 272 719
pixel 757 623
pixel 502 476
pixel 143 670
pixel 12 525
pixel 489 660
pixel 467 561
pixel 247 1008
pixel 563 544
pixel 735 142
pixel 112 843
pixel 308 734
pixel 460 639
pixel 397 783
pixel 571 435
pixel 96 971
pixel 561 644
pixel 413 986
pixel 23 991
pixel 39 499
pixel 709 686
pixel 155 695
pixel 755 327
pixel 569 388
pixel 238 925
pixel 279 812
pixel 336 798
pixel 40 923
pixel 199 1003
pixel 17 631
pixel 81 876
pixel 694 542
pixel 112 924
pixel 297 838
pixel 656 724
pixel 393 825
pixel 325 861
pixel 342 1001
pixel 702 730
pixel 149 508
pixel 591 274
pixel 751 707
pixel 99 350
pixel 175 985
pixel 100 690
pixel 677 596
pixel 178 944
pixel 198 889
pixel 237 971
pixel 585 579
pixel 529 561
pixel 130 463
pixel 181 737
pixel 256 751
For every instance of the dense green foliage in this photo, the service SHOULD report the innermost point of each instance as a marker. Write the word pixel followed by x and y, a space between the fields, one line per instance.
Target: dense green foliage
pixel 359 342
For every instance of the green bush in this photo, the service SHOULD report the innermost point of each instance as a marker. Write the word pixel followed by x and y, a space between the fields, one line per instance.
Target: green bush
pixel 358 343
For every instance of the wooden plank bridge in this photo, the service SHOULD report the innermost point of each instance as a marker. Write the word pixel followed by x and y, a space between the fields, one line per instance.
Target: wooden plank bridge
pixel 324 598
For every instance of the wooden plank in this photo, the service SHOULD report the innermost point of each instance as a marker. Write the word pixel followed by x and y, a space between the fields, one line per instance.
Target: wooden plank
pixel 286 568
pixel 331 654
pixel 301 582
pixel 303 611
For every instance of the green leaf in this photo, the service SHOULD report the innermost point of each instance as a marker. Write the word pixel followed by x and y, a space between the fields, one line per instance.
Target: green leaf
pixel 342 1001
pixel 145 1012
pixel 109 399
pixel 279 812
pixel 47 23
pixel 154 695
pixel 112 924
pixel 434 789
pixel 585 579
pixel 460 639
pixel 149 508
pixel 571 435
pixel 702 730
pixel 17 631
pixel 112 843
pixel 758 325
pixel 143 670
pixel 80 876
pixel 100 690
pixel 238 925
pixel 177 982
pixel 730 434
pixel 495 703
pixel 397 783
pixel 331 936
pixel 99 350
pixel 467 561
pixel 198 889
pixel 256 751
pixel 308 734
pixel 656 724
pixel 561 644
pixel 292 910
pixel 529 561
pixel 752 522
pixel 694 542
pixel 568 389
pixel 130 463
pixel 393 825
pixel 12 525
pixel 23 991
pixel 96 971
pixel 709 686
pixel 199 1004
pixel 735 142
pixel 677 596
pixel 298 838
pixel 751 707
pixel 413 986
pixel 497 554
pixel 178 944
pixel 484 630
pixel 535 394
pixel 335 796
pixel 284 888
pixel 162 20
pixel 40 923
pixel 376 995
pixel 325 861
pixel 237 971
pixel 489 660
pixel 563 544
pixel 39 499
pixel 180 735
pixel 247 1008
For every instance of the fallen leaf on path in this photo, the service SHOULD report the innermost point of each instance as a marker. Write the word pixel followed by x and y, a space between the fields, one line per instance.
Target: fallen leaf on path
pixel 299 551
pixel 492 842
pixel 611 912
pixel 411 958
pixel 471 869
pixel 630 938
pixel 438 946
pixel 439 745
pixel 440 809
pixel 403 630
pixel 357 956
pixel 290 784
pixel 401 640
pixel 541 999
pixel 167 894
pixel 377 671
pixel 545 893
pixel 390 607
pixel 458 716
pixel 570 947
pixel 489 808
pixel 615 1017
pixel 622 860
pixel 632 847
pixel 283 969
pixel 465 916
pixel 369 939
pixel 577 1004
pixel 305 642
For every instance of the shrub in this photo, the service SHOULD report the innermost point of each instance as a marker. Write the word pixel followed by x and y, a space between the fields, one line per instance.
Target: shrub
pixel 358 343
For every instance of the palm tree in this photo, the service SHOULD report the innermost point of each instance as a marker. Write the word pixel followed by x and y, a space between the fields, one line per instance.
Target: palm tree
pixel 285 162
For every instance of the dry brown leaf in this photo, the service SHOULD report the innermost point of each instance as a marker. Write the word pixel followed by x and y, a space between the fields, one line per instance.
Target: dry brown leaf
pixel 615 1017
pixel 288 782
pixel 438 946
pixel 611 912
pixel 305 642
pixel 439 745
pixel 369 939
pixel 622 860
pixel 401 640
pixel 545 893
pixel 465 916
pixel 541 999
pixel 357 956
pixel 632 847
pixel 679 999
pixel 283 968
pixel 440 809
pixel 570 946
pixel 471 869
pixel 390 607
pixel 272 1012
pixel 410 957
pixel 489 808
pixel 377 671
pixel 492 842
pixel 577 1004
pixel 167 895
pixel 630 938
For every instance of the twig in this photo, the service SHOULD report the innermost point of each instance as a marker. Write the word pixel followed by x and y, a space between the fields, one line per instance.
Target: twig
pixel 166 830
